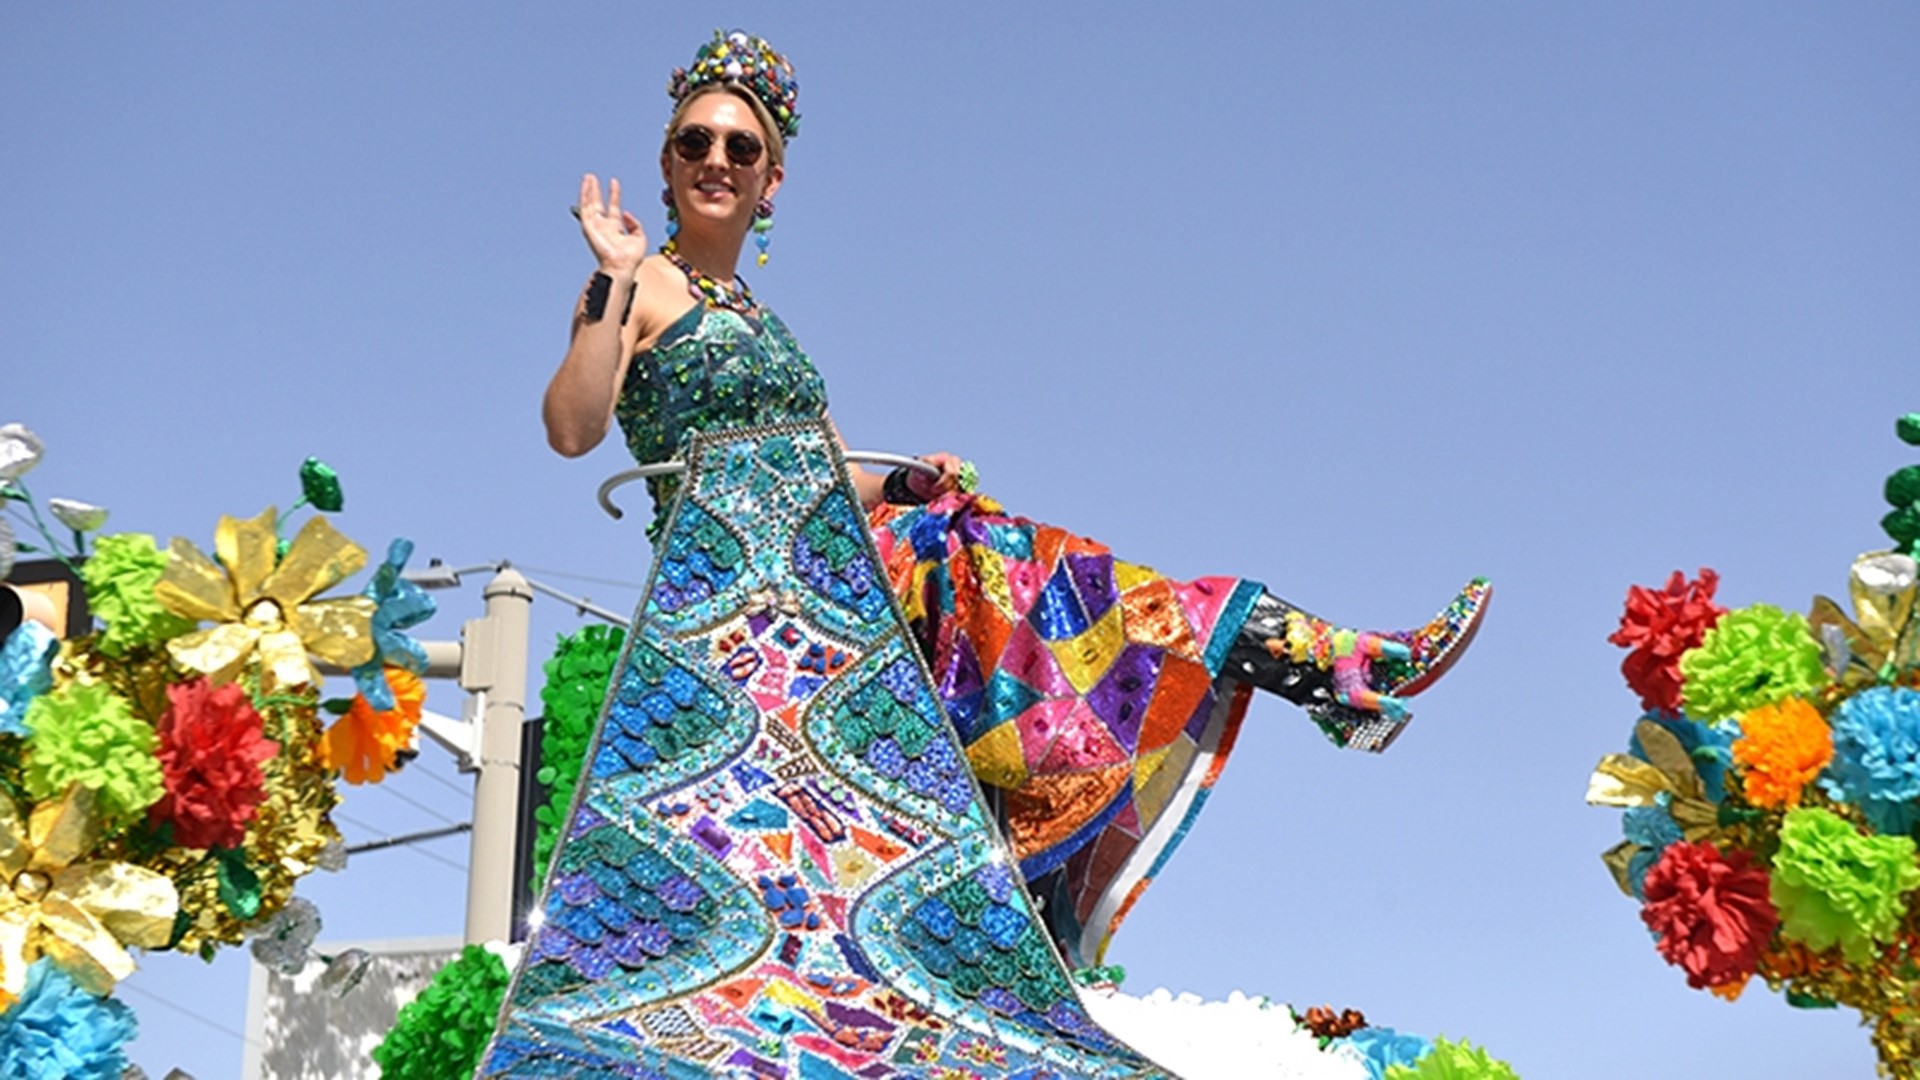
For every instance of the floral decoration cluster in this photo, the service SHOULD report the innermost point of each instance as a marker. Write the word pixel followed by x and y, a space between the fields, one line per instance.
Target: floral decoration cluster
pixel 1771 787
pixel 168 775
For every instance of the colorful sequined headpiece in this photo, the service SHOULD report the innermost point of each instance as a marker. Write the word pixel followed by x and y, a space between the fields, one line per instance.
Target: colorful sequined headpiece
pixel 742 58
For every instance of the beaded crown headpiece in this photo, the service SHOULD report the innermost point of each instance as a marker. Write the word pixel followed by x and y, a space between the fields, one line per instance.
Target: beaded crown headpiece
pixel 749 62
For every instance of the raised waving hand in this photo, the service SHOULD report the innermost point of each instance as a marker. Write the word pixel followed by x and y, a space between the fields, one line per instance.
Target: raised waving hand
pixel 615 235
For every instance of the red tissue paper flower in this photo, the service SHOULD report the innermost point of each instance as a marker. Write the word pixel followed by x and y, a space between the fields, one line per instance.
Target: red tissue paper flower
pixel 1659 625
pixel 211 750
pixel 1713 913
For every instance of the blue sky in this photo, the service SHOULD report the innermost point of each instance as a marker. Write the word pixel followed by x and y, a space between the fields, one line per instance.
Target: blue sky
pixel 1358 300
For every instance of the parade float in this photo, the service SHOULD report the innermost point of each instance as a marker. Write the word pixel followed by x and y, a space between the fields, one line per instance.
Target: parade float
pixel 762 850
pixel 1771 786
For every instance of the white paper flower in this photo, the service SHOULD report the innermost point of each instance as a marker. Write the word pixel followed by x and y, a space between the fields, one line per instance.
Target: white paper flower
pixel 19 451
pixel 6 549
pixel 77 515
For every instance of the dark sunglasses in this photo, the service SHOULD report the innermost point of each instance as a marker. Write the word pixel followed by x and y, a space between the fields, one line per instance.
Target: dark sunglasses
pixel 694 142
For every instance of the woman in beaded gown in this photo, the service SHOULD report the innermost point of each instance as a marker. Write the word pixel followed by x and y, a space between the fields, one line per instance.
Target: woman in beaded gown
pixel 1097 699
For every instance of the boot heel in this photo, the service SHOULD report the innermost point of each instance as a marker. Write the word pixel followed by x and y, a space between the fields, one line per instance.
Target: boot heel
pixel 1356 729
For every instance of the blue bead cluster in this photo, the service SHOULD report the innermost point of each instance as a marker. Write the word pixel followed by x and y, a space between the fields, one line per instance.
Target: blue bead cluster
pixel 788 900
pixel 660 712
pixel 614 903
pixel 830 555
pixel 977 939
pixel 702 558
pixel 892 725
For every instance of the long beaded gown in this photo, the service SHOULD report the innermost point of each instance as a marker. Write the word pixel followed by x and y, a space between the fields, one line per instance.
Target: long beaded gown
pixel 1088 691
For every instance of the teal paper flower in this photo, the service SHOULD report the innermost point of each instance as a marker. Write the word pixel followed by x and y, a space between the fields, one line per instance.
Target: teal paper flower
pixel 1383 1048
pixel 26 672
pixel 57 1031
pixel 401 605
pixel 1876 757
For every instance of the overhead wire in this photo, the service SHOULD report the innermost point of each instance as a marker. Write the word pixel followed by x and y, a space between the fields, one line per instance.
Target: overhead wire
pixel 583 577
pixel 416 803
pixel 420 851
pixel 179 1008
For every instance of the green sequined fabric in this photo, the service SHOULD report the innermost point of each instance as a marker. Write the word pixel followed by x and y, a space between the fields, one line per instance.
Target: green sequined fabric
pixel 713 369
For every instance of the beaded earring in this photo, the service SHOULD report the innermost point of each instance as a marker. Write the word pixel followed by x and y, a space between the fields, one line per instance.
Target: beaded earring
pixel 673 217
pixel 762 225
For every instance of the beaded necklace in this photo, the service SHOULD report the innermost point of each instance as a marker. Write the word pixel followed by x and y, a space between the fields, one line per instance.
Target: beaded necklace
pixel 704 288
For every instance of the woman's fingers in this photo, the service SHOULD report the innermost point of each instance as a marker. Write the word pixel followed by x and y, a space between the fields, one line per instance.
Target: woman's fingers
pixel 613 196
pixel 632 223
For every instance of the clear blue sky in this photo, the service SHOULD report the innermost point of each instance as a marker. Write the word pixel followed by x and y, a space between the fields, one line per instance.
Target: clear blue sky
pixel 1359 300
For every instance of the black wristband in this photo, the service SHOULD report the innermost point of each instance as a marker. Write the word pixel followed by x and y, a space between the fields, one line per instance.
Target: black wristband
pixel 898 491
pixel 632 287
pixel 599 287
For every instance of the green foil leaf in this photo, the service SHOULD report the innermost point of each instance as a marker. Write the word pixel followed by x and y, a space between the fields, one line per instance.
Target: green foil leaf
pixel 239 885
pixel 321 485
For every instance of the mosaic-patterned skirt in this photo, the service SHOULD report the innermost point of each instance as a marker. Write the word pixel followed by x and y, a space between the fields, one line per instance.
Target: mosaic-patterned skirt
pixel 778 864
pixel 1086 690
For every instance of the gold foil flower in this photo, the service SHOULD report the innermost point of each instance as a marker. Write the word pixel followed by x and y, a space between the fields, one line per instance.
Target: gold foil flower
pixel 264 608
pixel 1667 779
pixel 82 916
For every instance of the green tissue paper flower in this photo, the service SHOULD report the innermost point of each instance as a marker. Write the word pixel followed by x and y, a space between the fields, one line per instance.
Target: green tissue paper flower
pixel 1835 886
pixel 85 734
pixel 577 675
pixel 1449 1060
pixel 120 575
pixel 1753 656
pixel 441 1033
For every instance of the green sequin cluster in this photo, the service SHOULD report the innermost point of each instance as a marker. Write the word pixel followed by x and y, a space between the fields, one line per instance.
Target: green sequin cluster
pixel 711 370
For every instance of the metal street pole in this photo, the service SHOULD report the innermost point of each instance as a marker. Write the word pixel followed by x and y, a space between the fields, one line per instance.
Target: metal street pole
pixel 495 668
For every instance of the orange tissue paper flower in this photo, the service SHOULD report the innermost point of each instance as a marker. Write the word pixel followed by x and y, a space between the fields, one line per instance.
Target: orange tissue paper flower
pixel 1780 749
pixel 366 743
pixel 211 750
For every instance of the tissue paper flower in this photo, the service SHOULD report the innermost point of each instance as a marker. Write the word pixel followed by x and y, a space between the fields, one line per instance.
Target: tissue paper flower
pixel 1754 656
pixel 1660 625
pixel 26 672
pixel 120 576
pixel 211 750
pixel 58 1031
pixel 442 1032
pixel 1780 749
pixel 1451 1060
pixel 1834 886
pixel 85 734
pixel 1712 914
pixel 1876 757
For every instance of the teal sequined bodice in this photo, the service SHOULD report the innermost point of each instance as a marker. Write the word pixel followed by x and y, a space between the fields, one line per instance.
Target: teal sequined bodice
pixel 712 369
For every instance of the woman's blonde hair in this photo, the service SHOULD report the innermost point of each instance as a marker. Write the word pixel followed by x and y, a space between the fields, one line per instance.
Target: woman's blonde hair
pixel 776 143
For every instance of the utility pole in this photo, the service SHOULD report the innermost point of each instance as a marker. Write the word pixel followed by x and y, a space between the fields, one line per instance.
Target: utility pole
pixel 494 668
